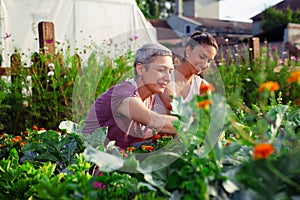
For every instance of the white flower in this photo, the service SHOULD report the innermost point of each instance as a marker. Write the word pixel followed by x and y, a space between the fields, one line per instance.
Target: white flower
pixel 51 66
pixel 51 73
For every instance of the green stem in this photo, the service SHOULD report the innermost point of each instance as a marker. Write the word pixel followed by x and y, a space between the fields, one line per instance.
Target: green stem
pixel 282 176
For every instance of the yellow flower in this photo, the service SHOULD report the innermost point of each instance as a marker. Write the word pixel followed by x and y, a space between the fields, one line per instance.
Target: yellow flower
pixel 262 151
pixel 269 86
pixel 294 77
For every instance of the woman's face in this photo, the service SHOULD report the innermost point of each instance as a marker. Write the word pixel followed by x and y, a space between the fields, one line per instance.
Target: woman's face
pixel 200 57
pixel 158 74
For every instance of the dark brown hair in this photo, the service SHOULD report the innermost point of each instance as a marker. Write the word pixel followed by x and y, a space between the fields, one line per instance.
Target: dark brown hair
pixel 200 38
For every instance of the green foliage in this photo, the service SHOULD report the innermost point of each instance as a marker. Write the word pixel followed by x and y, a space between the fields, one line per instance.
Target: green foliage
pixel 153 9
pixel 56 84
pixel 274 18
pixel 212 157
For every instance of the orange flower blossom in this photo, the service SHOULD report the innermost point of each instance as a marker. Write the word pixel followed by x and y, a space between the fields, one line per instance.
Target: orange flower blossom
pixel 204 103
pixel 269 86
pixel 156 137
pixel 294 77
pixel 262 151
pixel 147 147
pixel 130 149
pixel 17 138
pixel 204 88
pixel 22 144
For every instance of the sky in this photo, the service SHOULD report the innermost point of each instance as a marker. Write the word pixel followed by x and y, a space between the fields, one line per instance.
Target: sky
pixel 244 10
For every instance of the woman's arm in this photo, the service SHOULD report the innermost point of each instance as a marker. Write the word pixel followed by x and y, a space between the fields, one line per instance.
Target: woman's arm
pixel 134 108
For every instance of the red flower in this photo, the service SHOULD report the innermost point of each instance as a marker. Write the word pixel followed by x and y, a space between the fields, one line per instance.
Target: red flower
pixel 35 128
pixel 262 151
pixel 25 132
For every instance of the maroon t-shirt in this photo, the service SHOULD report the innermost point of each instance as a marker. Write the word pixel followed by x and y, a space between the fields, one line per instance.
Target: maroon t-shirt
pixel 121 129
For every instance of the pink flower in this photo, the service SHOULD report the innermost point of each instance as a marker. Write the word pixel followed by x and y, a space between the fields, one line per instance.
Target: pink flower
pixel 49 41
pixel 293 58
pixel 134 37
pixel 99 185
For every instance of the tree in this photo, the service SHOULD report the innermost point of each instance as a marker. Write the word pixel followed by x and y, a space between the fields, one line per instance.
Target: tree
pixel 156 9
pixel 274 18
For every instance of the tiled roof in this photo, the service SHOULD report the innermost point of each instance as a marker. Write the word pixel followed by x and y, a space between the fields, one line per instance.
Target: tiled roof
pixel 225 24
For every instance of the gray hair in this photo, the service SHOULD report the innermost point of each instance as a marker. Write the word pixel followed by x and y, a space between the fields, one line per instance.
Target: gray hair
pixel 148 51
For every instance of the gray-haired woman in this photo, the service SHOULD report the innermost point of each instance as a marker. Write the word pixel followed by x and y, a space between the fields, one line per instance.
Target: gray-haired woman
pixel 126 108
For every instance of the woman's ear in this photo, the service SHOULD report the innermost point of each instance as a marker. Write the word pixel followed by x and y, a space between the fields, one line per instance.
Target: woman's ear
pixel 187 51
pixel 140 69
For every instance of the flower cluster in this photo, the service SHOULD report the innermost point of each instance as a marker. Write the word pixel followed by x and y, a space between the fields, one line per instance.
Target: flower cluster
pixel 157 142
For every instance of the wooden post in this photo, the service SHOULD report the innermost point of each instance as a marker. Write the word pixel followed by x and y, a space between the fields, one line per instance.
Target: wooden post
pixel 46 37
pixel 254 48
pixel 15 60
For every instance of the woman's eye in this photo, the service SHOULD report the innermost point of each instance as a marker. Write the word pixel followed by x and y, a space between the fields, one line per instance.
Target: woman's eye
pixel 202 57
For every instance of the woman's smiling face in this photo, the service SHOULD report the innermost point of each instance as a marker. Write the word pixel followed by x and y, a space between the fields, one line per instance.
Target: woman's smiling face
pixel 157 74
pixel 201 56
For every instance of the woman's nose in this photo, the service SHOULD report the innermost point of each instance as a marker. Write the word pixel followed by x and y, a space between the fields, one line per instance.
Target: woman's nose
pixel 167 76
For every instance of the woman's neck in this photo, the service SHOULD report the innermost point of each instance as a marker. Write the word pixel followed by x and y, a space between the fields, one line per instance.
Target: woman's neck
pixel 143 90
pixel 184 71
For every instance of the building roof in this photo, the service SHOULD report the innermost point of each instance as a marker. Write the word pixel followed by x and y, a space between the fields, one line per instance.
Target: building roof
pixel 292 4
pixel 225 24
pixel 220 29
pixel 164 31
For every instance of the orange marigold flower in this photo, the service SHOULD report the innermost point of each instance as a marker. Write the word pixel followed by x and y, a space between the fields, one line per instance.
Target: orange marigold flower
pixel 228 142
pixel 269 86
pixel 147 147
pixel 262 151
pixel 35 128
pixel 130 149
pixel 294 77
pixel 22 143
pixel 204 88
pixel 16 139
pixel 42 129
pixel 156 137
pixel 69 83
pixel 204 104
